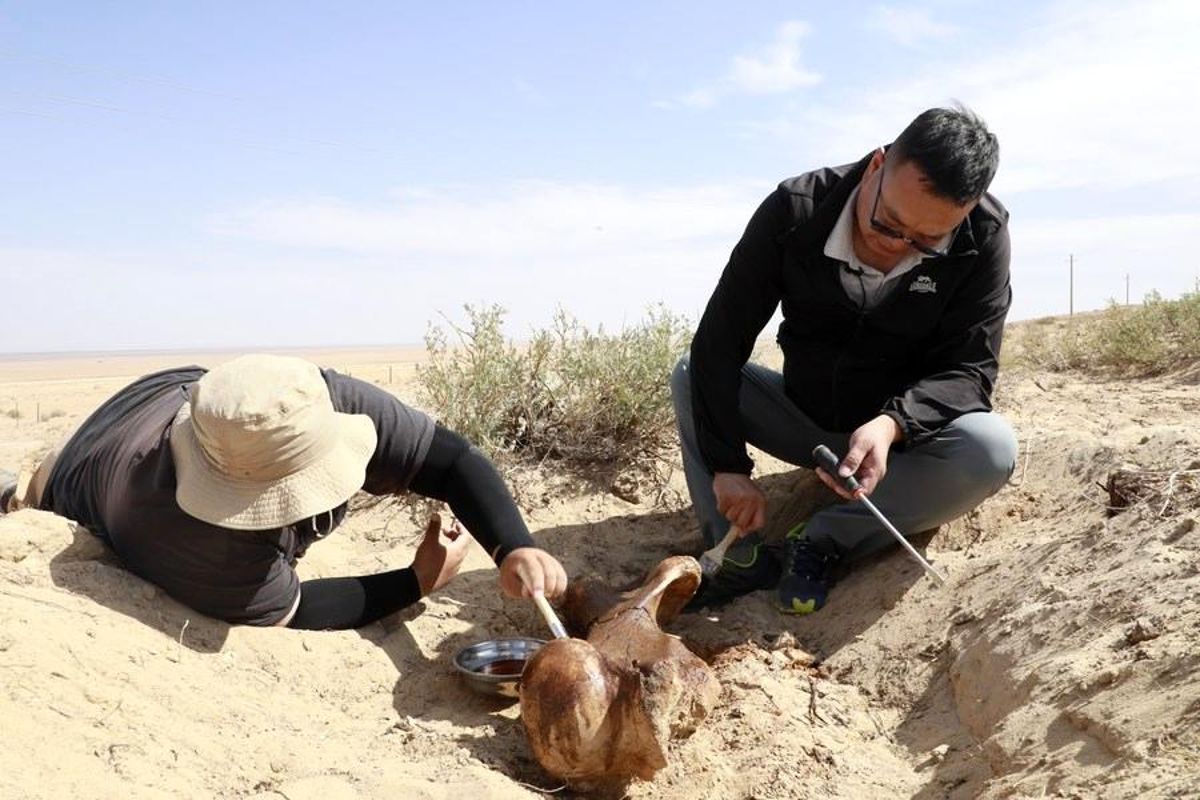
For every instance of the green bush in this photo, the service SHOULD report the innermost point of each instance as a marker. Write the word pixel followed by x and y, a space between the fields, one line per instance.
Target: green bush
pixel 587 398
pixel 1155 337
pixel 1054 347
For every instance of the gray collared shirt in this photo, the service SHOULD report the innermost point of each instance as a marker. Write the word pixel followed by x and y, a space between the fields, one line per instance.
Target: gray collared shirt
pixel 862 282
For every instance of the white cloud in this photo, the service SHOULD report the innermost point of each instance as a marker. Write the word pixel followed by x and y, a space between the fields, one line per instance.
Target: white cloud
pixel 1145 247
pixel 528 92
pixel 321 272
pixel 908 26
pixel 530 219
pixel 329 272
pixel 698 98
pixel 1090 99
pixel 353 280
pixel 776 69
pixel 1094 95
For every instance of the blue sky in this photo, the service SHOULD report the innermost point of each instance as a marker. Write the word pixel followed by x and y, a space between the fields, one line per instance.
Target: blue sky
pixel 261 174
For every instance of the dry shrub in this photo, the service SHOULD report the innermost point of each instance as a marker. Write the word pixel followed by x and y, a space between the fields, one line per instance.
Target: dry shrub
pixel 585 398
pixel 1056 347
pixel 1156 337
pixel 1161 491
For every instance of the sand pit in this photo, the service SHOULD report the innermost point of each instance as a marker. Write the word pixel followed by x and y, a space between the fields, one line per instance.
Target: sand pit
pixel 1061 660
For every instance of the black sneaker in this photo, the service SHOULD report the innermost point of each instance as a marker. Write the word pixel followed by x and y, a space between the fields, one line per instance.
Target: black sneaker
pixel 8 487
pixel 749 565
pixel 806 575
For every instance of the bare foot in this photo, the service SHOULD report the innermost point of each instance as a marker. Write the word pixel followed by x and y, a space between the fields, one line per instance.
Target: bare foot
pixel 440 555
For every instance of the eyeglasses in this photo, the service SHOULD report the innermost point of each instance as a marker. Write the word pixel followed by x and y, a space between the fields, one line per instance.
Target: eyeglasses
pixel 892 233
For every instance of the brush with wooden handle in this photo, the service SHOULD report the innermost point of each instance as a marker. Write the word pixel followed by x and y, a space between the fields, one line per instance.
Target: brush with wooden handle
pixel 556 627
pixel 710 560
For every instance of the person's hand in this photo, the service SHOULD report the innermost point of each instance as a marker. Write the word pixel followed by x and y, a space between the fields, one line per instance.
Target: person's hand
pixel 531 569
pixel 740 501
pixel 439 555
pixel 866 458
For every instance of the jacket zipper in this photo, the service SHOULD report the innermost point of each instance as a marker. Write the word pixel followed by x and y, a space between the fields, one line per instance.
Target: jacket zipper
pixel 837 363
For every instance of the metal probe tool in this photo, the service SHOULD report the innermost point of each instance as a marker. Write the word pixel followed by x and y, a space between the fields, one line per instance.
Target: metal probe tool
pixel 827 461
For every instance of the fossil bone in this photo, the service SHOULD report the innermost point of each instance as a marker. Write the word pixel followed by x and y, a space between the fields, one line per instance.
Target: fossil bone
pixel 600 712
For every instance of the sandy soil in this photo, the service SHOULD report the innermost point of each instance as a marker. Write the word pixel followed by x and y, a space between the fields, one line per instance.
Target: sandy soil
pixel 1060 661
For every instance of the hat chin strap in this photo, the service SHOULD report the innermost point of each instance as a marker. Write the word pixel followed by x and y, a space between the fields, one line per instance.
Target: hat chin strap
pixel 316 525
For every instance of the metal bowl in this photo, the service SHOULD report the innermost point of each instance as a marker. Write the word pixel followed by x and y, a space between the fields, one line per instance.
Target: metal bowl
pixel 494 667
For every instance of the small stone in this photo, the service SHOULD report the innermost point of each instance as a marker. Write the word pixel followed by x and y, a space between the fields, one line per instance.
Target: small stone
pixel 626 488
pixel 938 753
pixel 1143 629
pixel 785 640
pixel 799 657
pixel 1185 526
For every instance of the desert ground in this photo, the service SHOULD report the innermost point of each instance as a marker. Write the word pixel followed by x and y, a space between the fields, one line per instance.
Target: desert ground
pixel 1061 660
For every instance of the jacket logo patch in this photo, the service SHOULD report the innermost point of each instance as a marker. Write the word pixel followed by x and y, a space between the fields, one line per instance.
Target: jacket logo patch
pixel 923 284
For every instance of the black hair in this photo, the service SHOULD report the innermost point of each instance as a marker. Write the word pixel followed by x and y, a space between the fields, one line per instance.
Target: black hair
pixel 953 148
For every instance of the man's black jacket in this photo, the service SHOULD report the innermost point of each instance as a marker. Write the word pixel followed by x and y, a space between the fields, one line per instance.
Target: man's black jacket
pixel 926 355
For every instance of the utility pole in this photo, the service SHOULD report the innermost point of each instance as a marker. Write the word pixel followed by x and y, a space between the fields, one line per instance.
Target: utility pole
pixel 1126 288
pixel 1071 301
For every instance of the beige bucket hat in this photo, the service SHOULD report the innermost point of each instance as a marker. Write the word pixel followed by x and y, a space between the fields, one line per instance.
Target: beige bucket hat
pixel 258 445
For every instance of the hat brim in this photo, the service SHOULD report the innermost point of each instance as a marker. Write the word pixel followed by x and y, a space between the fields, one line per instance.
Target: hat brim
pixel 211 496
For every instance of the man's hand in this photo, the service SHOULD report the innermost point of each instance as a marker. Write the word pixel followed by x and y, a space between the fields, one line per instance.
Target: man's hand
pixel 867 456
pixel 742 503
pixel 531 569
pixel 439 555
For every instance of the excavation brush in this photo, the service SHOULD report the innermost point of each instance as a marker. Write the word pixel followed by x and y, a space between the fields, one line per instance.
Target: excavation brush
pixel 552 621
pixel 827 461
pixel 711 559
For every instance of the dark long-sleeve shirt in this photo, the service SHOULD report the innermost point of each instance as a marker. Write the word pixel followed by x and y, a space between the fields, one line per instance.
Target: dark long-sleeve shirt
pixel 924 356
pixel 116 477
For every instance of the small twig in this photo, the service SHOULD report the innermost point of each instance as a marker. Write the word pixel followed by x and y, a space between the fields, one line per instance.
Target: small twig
pixel 1170 491
pixel 812 701
pixel 763 689
pixel 179 655
pixel 110 712
pixel 540 789
pixel 47 603
pixel 1025 465
pixel 878 724
pixel 1101 503
pixel 977 573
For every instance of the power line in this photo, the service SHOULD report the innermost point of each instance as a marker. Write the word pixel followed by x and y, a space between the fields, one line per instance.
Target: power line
pixel 1071 300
